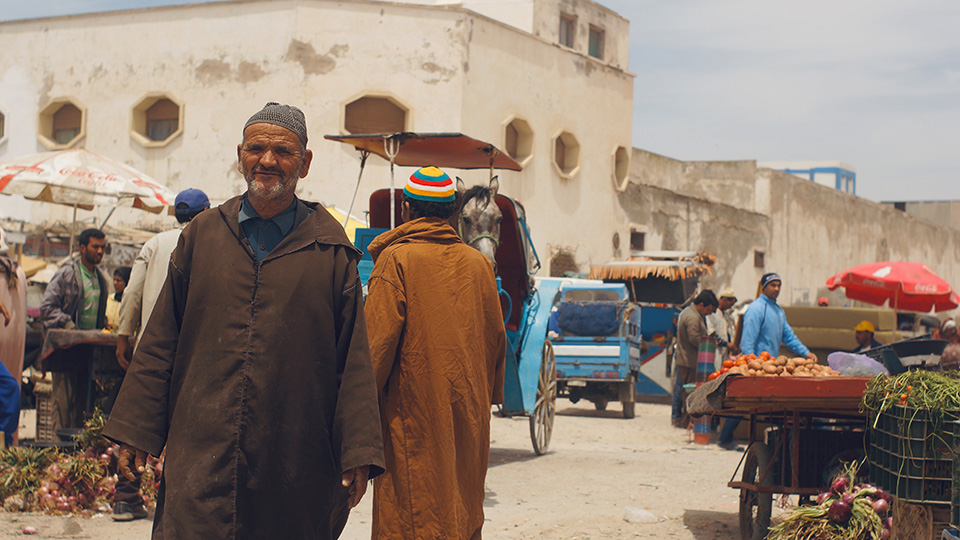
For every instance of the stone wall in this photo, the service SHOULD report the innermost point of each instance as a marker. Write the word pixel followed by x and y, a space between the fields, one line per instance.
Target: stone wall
pixel 806 232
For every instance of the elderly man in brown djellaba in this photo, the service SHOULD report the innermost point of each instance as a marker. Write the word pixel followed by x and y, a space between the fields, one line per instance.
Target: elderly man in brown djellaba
pixel 437 341
pixel 254 368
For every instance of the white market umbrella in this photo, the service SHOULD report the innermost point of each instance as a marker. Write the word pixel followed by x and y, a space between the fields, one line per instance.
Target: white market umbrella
pixel 83 179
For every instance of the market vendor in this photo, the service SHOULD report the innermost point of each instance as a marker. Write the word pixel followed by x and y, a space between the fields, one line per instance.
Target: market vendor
pixel 76 298
pixel 864 336
pixel 691 329
pixel 948 331
pixel 765 327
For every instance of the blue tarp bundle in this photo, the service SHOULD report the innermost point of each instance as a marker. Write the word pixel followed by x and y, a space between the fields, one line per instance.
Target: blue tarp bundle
pixel 590 318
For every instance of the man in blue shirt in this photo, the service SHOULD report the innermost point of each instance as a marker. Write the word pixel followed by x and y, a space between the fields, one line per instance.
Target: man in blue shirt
pixel 765 327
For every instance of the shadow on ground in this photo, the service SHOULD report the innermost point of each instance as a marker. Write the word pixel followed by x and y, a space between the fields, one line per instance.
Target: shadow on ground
pixel 706 525
pixel 504 456
pixel 613 411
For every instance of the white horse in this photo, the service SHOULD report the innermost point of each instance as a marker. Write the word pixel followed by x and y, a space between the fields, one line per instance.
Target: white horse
pixel 478 217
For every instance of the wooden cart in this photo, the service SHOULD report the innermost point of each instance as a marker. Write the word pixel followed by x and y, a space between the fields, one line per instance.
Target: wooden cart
pixel 801 429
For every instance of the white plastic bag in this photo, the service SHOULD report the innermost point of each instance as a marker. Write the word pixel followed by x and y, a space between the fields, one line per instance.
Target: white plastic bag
pixel 855 365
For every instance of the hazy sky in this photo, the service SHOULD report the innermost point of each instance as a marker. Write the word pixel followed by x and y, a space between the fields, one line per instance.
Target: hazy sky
pixel 875 84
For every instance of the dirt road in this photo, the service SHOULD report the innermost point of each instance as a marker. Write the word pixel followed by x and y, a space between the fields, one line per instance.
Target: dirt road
pixel 599 469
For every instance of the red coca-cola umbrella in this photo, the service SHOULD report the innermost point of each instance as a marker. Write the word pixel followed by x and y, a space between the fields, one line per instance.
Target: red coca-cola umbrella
pixel 905 285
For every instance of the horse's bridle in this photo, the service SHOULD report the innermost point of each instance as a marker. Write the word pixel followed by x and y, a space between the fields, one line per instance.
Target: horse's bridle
pixel 494 239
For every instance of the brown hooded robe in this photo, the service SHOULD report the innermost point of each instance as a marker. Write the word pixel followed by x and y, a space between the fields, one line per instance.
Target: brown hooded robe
pixel 257 378
pixel 437 341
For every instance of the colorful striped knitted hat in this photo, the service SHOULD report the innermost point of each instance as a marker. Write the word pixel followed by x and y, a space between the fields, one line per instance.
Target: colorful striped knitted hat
pixel 430 184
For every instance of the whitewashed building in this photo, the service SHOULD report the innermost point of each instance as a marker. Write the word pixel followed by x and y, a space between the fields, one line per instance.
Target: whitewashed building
pixel 167 90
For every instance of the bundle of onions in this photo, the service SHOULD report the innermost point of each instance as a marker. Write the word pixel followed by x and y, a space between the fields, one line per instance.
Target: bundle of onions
pixel 845 512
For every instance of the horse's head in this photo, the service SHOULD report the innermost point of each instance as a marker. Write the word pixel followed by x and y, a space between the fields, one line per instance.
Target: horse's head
pixel 479 217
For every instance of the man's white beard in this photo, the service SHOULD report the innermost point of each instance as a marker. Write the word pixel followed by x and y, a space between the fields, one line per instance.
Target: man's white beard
pixel 275 192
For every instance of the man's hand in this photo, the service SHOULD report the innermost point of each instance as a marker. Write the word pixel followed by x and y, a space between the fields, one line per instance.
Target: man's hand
pixel 69 326
pixel 124 456
pixel 124 352
pixel 811 356
pixel 355 480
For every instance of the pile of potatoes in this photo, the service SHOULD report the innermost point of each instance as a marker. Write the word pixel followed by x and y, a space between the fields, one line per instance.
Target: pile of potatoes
pixel 768 366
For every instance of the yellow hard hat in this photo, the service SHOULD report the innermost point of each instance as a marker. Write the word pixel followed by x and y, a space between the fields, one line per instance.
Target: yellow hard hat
pixel 865 326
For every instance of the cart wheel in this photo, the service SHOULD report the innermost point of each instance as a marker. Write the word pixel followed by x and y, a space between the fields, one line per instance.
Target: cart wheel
pixel 754 506
pixel 629 410
pixel 541 421
pixel 600 404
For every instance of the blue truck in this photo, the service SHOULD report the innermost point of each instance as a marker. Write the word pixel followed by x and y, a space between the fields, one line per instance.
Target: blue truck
pixel 595 332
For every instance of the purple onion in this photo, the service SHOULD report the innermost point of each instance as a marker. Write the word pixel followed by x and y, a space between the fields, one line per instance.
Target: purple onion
pixel 823 497
pixel 839 512
pixel 848 498
pixel 881 507
pixel 840 485
pixel 888 523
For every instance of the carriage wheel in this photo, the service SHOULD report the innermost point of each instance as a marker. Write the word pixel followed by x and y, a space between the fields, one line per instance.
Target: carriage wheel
pixel 755 506
pixel 541 421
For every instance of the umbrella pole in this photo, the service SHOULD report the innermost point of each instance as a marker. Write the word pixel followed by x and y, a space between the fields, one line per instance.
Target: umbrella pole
pixel 73 229
pixel 364 154
pixel 106 219
pixel 391 147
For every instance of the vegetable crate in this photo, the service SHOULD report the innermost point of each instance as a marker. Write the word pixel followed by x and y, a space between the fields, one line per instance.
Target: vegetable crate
pixel 911 454
pixel 44 393
pixel 919 521
pixel 955 499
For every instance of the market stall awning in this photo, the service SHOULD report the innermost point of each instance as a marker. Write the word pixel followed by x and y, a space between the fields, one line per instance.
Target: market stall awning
pixel 643 267
pixel 454 150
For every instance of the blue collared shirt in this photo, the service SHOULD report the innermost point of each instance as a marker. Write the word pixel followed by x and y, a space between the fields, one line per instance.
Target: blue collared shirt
pixel 265 234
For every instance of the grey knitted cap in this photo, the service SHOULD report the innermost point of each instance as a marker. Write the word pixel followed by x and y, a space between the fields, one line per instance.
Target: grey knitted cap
pixel 285 116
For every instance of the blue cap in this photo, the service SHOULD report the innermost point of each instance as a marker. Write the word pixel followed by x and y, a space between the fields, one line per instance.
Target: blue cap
pixel 190 201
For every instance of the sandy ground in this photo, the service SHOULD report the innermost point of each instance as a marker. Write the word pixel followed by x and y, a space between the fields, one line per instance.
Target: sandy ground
pixel 600 468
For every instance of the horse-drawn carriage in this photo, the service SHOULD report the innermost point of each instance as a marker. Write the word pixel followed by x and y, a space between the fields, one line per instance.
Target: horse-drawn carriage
pixel 500 232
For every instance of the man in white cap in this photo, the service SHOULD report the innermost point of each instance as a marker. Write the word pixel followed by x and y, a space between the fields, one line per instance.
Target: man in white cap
pixel 722 325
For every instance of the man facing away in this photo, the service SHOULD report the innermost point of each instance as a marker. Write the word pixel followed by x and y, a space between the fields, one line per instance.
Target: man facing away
pixel 139 297
pixel 765 327
pixel 438 342
pixel 691 328
pixel 76 297
pixel 149 272
pixel 254 368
